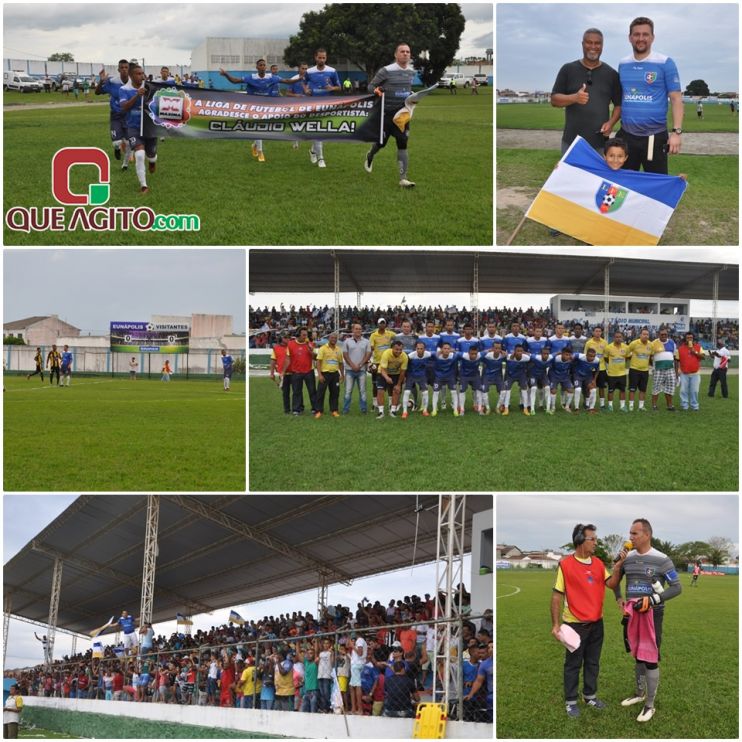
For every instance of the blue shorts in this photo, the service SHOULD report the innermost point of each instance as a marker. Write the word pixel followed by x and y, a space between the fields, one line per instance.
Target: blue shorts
pixel 118 126
pixel 66 368
pixel 447 381
pixel 521 380
pixel 539 380
pixel 567 385
pixel 150 143
pixel 228 373
pixel 495 381
pixel 475 382
pixel 144 680
pixel 410 381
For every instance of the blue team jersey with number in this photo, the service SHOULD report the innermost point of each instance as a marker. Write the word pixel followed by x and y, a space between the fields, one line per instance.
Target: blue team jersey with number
pixel 510 342
pixel 446 367
pixel 318 79
pixel 560 370
pixel 486 342
pixel 584 369
pixel 417 367
pixel 257 85
pixel 463 344
pixel 646 85
pixel 112 86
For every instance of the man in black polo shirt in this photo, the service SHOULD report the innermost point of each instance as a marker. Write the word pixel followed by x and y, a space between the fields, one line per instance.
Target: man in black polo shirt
pixel 585 88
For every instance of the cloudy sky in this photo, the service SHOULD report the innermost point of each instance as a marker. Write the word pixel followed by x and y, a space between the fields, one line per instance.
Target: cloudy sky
pixel 534 522
pixel 25 515
pixel 90 288
pixel 535 40
pixel 698 308
pixel 170 31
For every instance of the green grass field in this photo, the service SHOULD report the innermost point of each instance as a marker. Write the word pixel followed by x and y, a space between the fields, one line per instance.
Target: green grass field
pixel 491 453
pixel 699 686
pixel 114 434
pixel 34 732
pixel 706 215
pixel 243 202
pixel 545 116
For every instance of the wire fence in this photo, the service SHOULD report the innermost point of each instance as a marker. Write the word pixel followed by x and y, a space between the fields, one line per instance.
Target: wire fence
pixel 353 671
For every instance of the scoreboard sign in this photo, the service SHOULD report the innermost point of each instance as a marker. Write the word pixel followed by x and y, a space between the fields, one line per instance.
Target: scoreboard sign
pixel 149 337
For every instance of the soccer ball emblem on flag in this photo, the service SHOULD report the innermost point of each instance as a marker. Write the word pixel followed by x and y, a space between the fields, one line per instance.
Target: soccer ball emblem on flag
pixel 609 197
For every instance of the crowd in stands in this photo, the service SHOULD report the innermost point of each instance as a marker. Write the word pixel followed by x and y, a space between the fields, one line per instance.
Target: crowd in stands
pixel 381 655
pixel 267 323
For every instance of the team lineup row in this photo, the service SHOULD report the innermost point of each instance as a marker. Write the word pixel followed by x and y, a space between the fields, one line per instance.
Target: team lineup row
pixel 401 366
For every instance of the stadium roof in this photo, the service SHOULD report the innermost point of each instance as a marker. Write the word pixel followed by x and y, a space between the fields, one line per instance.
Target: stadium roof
pixel 499 272
pixel 216 551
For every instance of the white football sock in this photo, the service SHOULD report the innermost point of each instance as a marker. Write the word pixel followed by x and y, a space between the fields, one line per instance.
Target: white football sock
pixel 533 392
pixel 139 164
pixel 578 393
pixel 435 400
pixel 405 398
pixel 591 399
pixel 425 399
pixel 569 400
pixel 524 397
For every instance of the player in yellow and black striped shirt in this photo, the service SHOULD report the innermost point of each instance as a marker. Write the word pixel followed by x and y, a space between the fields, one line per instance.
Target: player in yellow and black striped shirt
pixel 39 361
pixel 54 362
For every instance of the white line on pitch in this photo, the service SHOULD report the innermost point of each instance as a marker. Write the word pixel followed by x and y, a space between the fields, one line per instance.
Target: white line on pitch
pixel 517 590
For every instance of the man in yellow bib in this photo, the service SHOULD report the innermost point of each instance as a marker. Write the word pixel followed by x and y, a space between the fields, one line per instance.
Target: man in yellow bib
pixel 615 364
pixel 641 351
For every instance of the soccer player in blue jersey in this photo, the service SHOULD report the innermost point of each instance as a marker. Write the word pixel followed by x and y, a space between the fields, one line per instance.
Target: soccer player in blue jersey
pixel 560 375
pixel 257 83
pixel 117 118
pixel 647 79
pixel 492 361
pixel 66 365
pixel 586 366
pixel 470 376
pixel 321 80
pixel 298 89
pixel 141 134
pixel 430 339
pixel 538 378
pixel 445 376
pixel 516 372
pixel 558 341
pixel 513 339
pixel 227 364
pixel 467 340
pixel 418 367
pixel 490 337
pixel 450 336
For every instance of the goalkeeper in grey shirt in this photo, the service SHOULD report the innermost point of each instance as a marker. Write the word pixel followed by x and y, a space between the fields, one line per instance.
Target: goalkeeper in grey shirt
pixel 651 580
pixel 395 81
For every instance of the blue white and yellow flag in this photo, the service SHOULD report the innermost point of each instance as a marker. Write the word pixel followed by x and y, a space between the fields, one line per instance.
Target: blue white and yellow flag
pixel 584 198
pixel 235 617
pixel 97 649
pixel 182 620
pixel 97 631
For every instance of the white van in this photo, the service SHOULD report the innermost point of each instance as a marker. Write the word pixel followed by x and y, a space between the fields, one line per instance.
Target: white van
pixel 21 82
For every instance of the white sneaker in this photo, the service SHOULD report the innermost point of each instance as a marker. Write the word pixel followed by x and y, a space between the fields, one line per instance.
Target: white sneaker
pixel 295 145
pixel 368 165
pixel 632 700
pixel 321 163
pixel 646 714
pixel 312 157
pixel 404 183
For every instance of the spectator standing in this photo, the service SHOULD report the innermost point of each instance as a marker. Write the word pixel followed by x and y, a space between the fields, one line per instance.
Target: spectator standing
pixel 12 713
pixel 357 661
pixel 311 682
pixel 268 689
pixel 324 675
pixel 284 682
pixel 356 354
pixel 299 363
pixel 400 693
pixel 719 374
pixel 690 355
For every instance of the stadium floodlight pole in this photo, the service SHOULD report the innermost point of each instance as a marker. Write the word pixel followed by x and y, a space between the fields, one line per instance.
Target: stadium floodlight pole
pixel 7 607
pixel 336 278
pixel 150 559
pixel 606 297
pixel 74 645
pixel 715 307
pixel 51 628
pixel 475 294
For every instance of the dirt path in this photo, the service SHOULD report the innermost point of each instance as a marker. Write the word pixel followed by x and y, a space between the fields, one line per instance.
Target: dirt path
pixel 712 143
pixel 39 106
